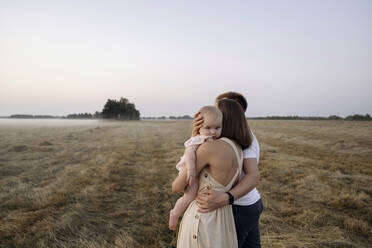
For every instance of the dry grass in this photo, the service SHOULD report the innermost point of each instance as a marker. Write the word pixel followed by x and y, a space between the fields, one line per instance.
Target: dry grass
pixel 108 184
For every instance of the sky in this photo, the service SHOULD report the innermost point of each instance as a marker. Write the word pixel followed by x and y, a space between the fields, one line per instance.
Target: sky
pixel 287 57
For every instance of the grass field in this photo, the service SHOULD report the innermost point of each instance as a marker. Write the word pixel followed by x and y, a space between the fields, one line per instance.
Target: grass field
pixel 108 184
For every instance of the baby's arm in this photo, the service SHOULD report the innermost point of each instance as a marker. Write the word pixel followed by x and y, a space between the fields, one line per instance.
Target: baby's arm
pixel 205 152
pixel 190 163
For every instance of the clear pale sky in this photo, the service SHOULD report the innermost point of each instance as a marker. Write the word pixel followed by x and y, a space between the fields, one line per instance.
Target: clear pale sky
pixel 172 57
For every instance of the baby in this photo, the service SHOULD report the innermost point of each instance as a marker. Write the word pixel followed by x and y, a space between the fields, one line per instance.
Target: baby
pixel 211 129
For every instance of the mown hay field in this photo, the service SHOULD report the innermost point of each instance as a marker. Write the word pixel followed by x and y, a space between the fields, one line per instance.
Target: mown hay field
pixel 108 184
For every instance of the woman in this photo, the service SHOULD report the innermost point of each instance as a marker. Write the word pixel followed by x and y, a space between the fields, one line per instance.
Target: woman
pixel 247 206
pixel 219 164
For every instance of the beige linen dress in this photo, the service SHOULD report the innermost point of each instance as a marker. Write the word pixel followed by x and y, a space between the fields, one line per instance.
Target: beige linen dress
pixel 215 229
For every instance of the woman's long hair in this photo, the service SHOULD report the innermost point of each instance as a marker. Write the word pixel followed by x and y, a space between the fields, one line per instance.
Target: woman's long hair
pixel 234 123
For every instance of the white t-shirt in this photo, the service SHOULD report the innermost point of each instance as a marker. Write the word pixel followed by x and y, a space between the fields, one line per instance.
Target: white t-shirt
pixel 251 152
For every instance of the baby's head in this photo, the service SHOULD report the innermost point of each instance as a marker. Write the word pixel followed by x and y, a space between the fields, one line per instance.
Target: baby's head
pixel 212 125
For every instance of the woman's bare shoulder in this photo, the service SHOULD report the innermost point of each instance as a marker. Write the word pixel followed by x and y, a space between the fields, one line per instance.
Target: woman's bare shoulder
pixel 213 146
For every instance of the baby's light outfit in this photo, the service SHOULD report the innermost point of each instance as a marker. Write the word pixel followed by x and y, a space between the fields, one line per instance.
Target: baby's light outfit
pixel 193 141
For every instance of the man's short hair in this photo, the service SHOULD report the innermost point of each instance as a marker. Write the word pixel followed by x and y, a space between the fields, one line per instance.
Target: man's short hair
pixel 234 96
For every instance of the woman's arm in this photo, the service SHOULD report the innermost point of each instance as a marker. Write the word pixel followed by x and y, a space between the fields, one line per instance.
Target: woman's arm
pixel 208 200
pixel 203 154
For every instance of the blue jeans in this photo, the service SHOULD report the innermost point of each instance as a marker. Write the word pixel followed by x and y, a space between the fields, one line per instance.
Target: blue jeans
pixel 246 224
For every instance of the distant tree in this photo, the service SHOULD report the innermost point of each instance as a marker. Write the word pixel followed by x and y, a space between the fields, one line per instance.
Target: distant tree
pixel 357 117
pixel 97 115
pixel 334 117
pixel 34 116
pixel 109 110
pixel 80 116
pixel 183 117
pixel 120 110
pixel 21 116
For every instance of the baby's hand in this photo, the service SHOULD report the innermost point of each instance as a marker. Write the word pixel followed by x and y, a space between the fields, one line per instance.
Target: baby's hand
pixel 197 123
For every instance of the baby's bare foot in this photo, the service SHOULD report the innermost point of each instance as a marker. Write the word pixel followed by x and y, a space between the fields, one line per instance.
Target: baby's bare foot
pixel 173 220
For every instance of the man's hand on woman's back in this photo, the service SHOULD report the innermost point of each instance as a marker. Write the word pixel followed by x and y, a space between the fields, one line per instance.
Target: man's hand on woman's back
pixel 209 200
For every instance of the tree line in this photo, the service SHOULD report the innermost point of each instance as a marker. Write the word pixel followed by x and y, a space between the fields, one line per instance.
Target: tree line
pixel 180 117
pixel 356 117
pixel 120 109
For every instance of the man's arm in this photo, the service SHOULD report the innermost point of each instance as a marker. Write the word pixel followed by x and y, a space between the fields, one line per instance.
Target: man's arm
pixel 250 179
pixel 209 200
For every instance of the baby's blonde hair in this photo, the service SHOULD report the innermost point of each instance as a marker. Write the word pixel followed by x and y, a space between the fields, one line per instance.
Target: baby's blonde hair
pixel 211 111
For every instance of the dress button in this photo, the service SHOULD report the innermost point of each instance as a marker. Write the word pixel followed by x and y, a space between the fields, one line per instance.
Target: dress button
pixel 196 216
pixel 194 236
pixel 205 175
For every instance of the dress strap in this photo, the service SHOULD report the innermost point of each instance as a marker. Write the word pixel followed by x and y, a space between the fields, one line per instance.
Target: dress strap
pixel 239 156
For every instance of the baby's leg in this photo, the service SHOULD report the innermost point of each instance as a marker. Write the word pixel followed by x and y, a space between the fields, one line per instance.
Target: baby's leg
pixel 182 204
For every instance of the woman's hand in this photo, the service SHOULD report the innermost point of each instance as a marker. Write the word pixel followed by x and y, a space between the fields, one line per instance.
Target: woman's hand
pixel 197 124
pixel 209 200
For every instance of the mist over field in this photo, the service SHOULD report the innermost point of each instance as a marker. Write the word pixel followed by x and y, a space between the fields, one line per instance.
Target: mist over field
pixel 70 183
